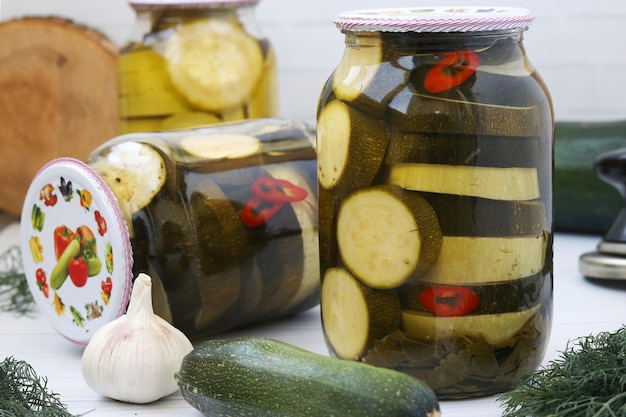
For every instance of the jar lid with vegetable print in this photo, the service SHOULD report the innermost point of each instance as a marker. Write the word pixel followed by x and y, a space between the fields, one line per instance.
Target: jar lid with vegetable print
pixel 76 247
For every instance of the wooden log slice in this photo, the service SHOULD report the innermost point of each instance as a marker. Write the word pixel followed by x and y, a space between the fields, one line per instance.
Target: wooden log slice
pixel 58 97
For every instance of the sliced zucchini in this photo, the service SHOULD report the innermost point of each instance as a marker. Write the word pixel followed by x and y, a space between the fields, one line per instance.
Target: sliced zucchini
pixel 499 297
pixel 354 316
pixel 470 260
pixel 220 146
pixel 484 217
pixel 350 146
pixel 189 119
pixel 306 213
pixel 140 124
pixel 134 171
pixel 486 182
pixel 150 105
pixel 414 112
pixel 328 207
pixel 496 329
pixel 219 237
pixel 215 63
pixel 366 77
pixel 453 149
pixel 387 235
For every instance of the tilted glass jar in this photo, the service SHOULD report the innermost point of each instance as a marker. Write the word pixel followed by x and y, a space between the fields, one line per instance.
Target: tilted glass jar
pixel 434 141
pixel 223 218
pixel 194 63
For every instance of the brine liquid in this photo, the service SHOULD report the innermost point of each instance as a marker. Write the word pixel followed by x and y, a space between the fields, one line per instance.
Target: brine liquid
pixel 477 318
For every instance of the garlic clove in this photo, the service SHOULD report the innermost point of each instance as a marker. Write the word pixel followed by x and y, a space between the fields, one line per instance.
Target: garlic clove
pixel 134 358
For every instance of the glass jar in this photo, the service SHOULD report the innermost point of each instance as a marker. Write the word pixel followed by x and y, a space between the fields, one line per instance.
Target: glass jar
pixel 223 218
pixel 195 63
pixel 434 141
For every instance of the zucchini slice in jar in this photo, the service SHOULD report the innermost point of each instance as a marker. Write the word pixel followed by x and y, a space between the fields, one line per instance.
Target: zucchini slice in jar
pixel 306 213
pixel 134 171
pixel 484 217
pixel 414 112
pixel 496 329
pixel 228 77
pixel 479 260
pixel 220 146
pixel 219 236
pixel 387 235
pixel 351 146
pixel 354 315
pixel 454 149
pixel 368 76
pixel 487 182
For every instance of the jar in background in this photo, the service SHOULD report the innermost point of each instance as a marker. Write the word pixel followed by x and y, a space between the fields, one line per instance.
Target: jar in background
pixel 223 218
pixel 195 63
pixel 434 141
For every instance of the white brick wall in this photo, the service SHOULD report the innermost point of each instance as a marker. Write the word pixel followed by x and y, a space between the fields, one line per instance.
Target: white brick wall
pixel 578 47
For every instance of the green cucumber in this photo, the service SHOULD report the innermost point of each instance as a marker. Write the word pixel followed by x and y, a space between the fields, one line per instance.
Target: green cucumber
pixel 582 202
pixel 264 377
pixel 59 272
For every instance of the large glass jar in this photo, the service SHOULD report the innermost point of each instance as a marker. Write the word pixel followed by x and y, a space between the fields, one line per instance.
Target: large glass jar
pixel 434 140
pixel 194 63
pixel 223 218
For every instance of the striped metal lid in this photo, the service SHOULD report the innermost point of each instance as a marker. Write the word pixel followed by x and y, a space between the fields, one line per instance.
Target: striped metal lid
pixel 183 4
pixel 435 19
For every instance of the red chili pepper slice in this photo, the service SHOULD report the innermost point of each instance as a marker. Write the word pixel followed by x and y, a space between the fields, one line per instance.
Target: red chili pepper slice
pixel 277 190
pixel 257 211
pixel 453 70
pixel 449 300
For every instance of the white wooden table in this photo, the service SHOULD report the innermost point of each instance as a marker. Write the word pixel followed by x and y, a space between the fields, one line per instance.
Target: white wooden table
pixel 582 307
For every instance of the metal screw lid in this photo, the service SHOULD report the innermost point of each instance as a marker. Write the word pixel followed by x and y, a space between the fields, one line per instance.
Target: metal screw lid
pixel 435 19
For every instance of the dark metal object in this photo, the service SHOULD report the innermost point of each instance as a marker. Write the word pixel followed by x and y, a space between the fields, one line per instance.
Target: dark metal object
pixel 609 260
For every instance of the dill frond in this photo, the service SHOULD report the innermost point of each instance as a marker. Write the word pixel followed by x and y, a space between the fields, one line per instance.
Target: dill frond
pixel 24 394
pixel 15 294
pixel 587 380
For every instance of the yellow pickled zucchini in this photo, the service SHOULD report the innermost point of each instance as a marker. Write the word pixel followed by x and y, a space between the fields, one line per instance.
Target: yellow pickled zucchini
pixel 475 260
pixel 495 183
pixel 354 315
pixel 496 329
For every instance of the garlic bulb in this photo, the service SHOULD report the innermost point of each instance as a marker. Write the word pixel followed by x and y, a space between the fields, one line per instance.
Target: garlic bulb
pixel 133 358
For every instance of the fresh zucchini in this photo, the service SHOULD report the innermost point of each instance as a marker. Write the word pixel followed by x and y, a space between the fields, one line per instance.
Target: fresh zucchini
pixel 582 202
pixel 267 378
pixel 387 235
pixel 354 315
pixel 351 147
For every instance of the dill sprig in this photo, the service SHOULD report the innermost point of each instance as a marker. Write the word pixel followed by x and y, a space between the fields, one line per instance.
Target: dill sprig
pixel 24 394
pixel 587 380
pixel 15 295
